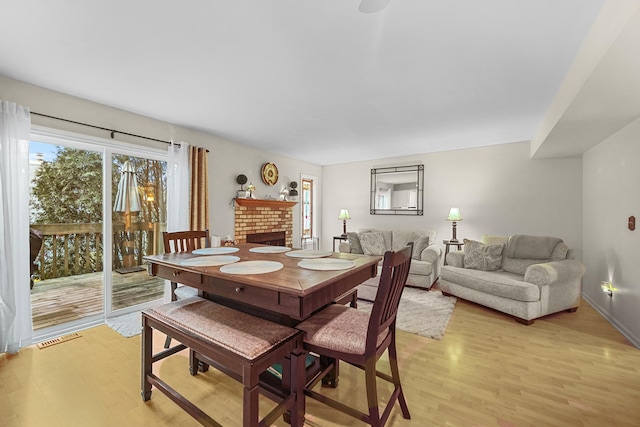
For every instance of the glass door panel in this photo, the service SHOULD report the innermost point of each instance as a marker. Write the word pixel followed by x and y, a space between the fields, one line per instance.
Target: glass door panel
pixel 139 218
pixel 66 221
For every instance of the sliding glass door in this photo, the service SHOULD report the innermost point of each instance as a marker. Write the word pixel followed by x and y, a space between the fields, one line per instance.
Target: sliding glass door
pixel 96 209
pixel 139 218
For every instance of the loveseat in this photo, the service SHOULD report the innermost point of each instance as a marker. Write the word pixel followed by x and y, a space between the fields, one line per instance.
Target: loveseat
pixel 427 257
pixel 524 276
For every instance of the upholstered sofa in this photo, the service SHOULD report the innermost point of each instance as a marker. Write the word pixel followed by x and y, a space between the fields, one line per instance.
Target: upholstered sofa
pixel 427 257
pixel 524 276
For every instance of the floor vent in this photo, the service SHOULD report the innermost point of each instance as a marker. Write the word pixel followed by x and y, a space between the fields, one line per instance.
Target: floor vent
pixel 58 340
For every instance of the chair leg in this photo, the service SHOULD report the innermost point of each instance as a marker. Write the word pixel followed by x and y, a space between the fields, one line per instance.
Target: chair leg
pixel 174 286
pixel 147 357
pixel 395 374
pixel 372 392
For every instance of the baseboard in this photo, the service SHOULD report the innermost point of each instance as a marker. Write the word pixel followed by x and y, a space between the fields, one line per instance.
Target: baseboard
pixel 624 331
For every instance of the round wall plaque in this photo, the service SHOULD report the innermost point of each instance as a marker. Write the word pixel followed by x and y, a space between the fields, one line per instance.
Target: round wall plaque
pixel 269 174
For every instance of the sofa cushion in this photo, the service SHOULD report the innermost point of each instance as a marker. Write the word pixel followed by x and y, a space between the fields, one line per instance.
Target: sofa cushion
pixel 523 246
pixel 498 283
pixel 419 245
pixel 482 257
pixel 372 243
pixel 560 252
pixel 519 266
pixel 354 243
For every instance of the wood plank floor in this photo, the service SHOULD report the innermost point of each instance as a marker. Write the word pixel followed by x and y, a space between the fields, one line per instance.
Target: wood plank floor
pixel 564 370
pixel 56 301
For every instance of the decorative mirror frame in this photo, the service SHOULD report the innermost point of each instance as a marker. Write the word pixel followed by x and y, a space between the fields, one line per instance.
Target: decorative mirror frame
pixel 375 173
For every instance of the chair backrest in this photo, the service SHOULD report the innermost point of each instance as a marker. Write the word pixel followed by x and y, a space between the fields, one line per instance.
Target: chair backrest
pixel 395 269
pixel 185 241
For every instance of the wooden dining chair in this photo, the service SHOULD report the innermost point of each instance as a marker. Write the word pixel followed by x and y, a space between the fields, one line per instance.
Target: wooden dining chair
pixel 183 241
pixel 341 333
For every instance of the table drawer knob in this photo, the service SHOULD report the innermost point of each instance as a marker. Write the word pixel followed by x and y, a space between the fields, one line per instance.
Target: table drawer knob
pixel 176 273
pixel 238 290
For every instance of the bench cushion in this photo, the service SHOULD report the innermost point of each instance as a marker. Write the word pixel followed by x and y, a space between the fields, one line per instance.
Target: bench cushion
pixel 241 333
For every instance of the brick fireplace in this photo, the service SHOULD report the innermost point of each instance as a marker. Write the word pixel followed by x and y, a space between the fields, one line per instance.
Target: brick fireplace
pixel 253 216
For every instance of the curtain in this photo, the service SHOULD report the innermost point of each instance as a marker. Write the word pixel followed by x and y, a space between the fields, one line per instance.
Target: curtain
pixel 178 187
pixel 199 188
pixel 16 328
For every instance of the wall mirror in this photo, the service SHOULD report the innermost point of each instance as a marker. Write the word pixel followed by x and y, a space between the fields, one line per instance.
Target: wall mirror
pixel 397 190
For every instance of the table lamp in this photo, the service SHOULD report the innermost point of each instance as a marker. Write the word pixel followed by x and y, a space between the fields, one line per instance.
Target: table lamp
pixel 454 216
pixel 344 216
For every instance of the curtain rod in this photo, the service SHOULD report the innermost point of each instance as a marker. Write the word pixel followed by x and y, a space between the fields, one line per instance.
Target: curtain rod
pixel 113 131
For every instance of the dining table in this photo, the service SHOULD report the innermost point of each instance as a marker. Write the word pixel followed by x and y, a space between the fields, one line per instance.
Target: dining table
pixel 290 287
pixel 288 295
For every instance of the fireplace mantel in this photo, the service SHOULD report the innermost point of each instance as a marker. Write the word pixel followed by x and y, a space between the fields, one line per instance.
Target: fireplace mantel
pixel 265 203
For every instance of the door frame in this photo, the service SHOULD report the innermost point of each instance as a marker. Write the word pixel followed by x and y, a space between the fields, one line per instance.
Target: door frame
pixel 107 148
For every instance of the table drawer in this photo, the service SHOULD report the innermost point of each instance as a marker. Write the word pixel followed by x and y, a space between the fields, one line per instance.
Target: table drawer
pixel 241 293
pixel 179 276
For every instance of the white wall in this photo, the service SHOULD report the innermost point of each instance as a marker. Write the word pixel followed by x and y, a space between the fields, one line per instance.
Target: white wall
pixel 498 189
pixel 611 250
pixel 227 159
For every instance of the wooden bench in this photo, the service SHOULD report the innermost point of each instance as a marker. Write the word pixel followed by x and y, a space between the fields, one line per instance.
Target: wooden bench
pixel 239 344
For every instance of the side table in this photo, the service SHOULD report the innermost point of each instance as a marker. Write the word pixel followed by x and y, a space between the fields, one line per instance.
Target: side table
pixel 338 239
pixel 448 244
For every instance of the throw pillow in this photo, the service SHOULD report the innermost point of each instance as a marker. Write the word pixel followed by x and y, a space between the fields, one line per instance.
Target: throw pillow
pixel 479 256
pixel 372 243
pixel 419 245
pixel 354 242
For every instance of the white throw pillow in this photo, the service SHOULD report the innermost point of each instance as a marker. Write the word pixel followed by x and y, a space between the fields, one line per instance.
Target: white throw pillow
pixel 482 257
pixel 372 243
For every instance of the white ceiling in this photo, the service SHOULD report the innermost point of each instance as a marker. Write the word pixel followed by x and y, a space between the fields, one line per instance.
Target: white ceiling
pixel 314 80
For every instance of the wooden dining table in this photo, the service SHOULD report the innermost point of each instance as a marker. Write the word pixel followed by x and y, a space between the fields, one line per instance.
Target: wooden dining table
pixel 286 296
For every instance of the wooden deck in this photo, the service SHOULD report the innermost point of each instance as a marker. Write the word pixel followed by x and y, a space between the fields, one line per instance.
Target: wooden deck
pixel 56 301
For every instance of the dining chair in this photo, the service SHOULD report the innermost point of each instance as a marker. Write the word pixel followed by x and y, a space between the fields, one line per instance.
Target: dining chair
pixel 183 241
pixel 341 333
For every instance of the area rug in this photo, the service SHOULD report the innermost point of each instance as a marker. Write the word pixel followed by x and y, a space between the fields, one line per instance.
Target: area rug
pixel 422 312
pixel 127 325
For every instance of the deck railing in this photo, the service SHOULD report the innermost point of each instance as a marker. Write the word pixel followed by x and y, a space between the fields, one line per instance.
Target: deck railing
pixel 70 249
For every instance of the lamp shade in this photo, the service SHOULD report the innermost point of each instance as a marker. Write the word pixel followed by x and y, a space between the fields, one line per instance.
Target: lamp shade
pixel 344 214
pixel 454 215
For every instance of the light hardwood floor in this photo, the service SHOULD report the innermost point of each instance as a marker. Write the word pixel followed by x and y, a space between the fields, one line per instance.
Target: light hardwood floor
pixel 564 370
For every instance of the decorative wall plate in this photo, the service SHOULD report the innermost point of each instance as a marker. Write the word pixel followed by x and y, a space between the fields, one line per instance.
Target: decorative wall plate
pixel 269 174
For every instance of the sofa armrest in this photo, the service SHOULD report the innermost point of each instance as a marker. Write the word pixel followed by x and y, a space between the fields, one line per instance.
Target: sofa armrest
pixel 431 254
pixel 455 259
pixel 549 273
pixel 344 247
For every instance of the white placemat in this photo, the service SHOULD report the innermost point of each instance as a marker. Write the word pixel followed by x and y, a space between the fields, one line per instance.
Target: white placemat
pixel 326 264
pixel 308 253
pixel 252 267
pixel 209 261
pixel 215 251
pixel 269 249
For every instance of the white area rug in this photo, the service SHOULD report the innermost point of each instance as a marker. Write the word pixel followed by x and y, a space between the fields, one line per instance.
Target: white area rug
pixel 422 312
pixel 127 325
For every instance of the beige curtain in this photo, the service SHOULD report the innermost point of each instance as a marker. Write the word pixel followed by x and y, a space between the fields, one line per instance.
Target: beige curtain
pixel 199 203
